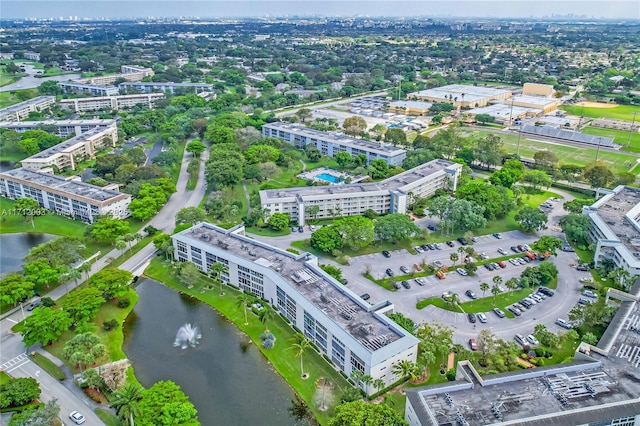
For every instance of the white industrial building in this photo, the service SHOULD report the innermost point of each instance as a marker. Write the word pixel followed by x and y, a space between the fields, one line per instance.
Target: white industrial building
pixel 391 195
pixel 332 143
pixel 64 128
pixel 352 333
pixel 21 111
pixel 67 196
pixel 462 96
pixel 111 102
pixel 615 228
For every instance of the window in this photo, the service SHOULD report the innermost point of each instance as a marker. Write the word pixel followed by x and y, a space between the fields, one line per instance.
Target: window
pixel 337 353
pixel 309 325
pixel 356 363
pixel 321 337
pixel 182 247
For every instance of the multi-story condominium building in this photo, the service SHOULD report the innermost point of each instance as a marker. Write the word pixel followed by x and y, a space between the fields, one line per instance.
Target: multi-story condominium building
pixel 86 88
pixel 64 128
pixel 352 333
pixel 600 387
pixel 68 153
pixel 21 111
pixel 135 69
pixel 164 87
pixel 111 102
pixel 615 227
pixel 462 95
pixel 32 56
pixel 68 196
pixel 129 73
pixel 332 143
pixel 391 195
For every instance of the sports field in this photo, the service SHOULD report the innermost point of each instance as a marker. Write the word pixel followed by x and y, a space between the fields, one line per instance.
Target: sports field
pixel 620 137
pixel 596 110
pixel 619 161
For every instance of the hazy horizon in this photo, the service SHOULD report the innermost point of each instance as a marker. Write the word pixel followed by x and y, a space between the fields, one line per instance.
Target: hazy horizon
pixel 24 9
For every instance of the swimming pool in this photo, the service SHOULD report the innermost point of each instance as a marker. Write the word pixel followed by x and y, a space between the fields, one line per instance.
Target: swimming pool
pixel 327 177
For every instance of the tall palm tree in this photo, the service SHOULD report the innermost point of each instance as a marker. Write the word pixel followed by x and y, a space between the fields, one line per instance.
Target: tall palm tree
pixel 74 274
pixel 300 345
pixel 454 299
pixel 215 271
pixel 126 403
pixel 403 369
pixel 454 258
pixel 128 238
pixel 241 300
pixel 379 384
pixel 266 314
pixel 484 287
pixel 495 290
pixel 170 250
pixel 121 245
pixel 512 283
pixel 497 280
pixel 85 268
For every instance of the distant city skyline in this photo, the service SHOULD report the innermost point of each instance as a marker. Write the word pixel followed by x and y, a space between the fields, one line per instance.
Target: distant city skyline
pixel 12 9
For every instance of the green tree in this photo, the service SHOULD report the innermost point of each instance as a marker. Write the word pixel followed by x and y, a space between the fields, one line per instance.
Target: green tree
pixel 266 314
pixel 303 114
pixel 343 159
pixel 190 215
pixel 164 404
pixel 575 206
pixel 28 207
pixel 489 151
pixel 547 244
pixel 261 154
pixel 394 227
pixel 403 321
pixel 15 288
pixel 378 169
pixel 327 239
pixel 484 287
pixel 242 300
pixel 126 403
pixel 356 231
pixel 485 118
pixel 358 413
pixel 495 200
pixel 83 304
pixel 354 125
pixel 113 282
pixel 279 221
pixel 196 147
pixel 29 146
pixel 536 179
pixel 300 344
pixel 216 271
pixel 18 391
pixel 454 258
pixel 223 173
pixel 83 350
pixel 405 369
pixel 495 291
pixel 395 137
pixel 217 134
pixel 108 229
pixel 50 88
pixel 576 227
pixel 45 415
pixel 531 219
pixel 188 274
pixel 598 175
pixel 41 273
pixel 589 338
pixel 45 325
pixel 545 158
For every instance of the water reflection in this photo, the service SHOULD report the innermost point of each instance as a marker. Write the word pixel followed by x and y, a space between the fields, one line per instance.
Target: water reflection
pixel 14 248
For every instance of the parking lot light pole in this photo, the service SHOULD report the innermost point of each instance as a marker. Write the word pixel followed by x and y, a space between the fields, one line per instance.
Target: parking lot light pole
pixel 631 128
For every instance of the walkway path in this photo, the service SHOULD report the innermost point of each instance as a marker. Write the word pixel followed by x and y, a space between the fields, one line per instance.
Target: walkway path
pixel 246 196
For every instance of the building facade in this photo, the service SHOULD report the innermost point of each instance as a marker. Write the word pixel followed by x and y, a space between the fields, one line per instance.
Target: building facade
pixel 111 102
pixel 462 95
pixel 615 227
pixel 352 333
pixel 166 87
pixel 64 128
pixel 69 196
pixel 332 143
pixel 68 153
pixel 87 88
pixel 129 73
pixel 21 111
pixel 391 195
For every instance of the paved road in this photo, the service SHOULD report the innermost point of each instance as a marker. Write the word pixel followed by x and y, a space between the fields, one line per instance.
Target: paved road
pixel 29 81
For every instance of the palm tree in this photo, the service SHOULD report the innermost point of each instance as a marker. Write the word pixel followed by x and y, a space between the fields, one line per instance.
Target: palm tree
pixel 497 280
pixel 300 345
pixel 170 250
pixel 454 258
pixel 74 274
pixel 484 287
pixel 128 239
pixel 85 267
pixel 241 300
pixel 403 369
pixel 126 402
pixel 454 299
pixel 121 245
pixel 266 314
pixel 495 290
pixel 215 271
pixel 379 384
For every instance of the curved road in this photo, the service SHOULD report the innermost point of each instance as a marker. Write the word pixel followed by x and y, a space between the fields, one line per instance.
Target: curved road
pixel 30 81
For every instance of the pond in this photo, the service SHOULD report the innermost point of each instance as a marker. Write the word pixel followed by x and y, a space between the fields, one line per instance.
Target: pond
pixel 227 379
pixel 14 247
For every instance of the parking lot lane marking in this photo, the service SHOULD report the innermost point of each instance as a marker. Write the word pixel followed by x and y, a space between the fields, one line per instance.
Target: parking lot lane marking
pixel 18 366
pixel 13 321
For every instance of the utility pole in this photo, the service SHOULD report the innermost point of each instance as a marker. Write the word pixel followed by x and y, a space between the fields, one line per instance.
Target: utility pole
pixel 519 134
pixel 631 129
pixel 598 151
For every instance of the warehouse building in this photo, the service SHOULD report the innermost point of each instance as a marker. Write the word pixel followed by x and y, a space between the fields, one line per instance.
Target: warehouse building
pixel 462 96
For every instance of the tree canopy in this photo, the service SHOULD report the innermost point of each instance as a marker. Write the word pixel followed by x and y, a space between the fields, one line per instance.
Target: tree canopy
pixel 113 282
pixel 164 404
pixel 358 413
pixel 394 227
pixel 531 219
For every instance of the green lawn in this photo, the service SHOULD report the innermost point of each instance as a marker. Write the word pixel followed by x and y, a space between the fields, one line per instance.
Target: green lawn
pixel 193 176
pixel 16 96
pixel 618 161
pixel 620 112
pixel 4 377
pixel 267 232
pixel 13 156
pixel 47 365
pixel 280 356
pixel 484 304
pixel 108 418
pixel 620 137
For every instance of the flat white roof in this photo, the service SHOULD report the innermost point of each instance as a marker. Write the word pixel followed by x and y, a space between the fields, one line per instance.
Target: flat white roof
pixel 471 93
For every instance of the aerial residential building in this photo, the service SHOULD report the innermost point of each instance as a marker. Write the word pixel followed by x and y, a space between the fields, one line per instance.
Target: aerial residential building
pixel 332 143
pixel 68 153
pixel 135 69
pixel 86 88
pixel 391 195
pixel 615 227
pixel 129 73
pixel 64 128
pixel 21 111
pixel 67 196
pixel 111 102
pixel 353 334
pixel 462 95
pixel 600 387
pixel 164 87
pixel 32 56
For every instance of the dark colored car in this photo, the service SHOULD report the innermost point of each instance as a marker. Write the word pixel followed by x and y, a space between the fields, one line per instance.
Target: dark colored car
pixel 389 272
pixel 300 229
pixel 489 266
pixel 582 267
pixel 546 291
pixel 471 294
pixel 406 284
pixel 521 249
pixel 431 246
pixel 426 247
pixel 471 318
pixel 34 305
pixel 404 269
pixel 365 296
pixel 515 249
pixel 432 228
pixel 293 229
pixel 385 253
pixel 497 235
pixel 514 311
pixel 463 241
pixel 450 243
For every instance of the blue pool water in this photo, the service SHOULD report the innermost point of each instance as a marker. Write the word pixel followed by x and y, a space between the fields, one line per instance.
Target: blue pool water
pixel 328 177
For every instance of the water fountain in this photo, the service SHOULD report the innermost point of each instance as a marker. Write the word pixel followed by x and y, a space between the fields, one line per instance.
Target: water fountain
pixel 188 335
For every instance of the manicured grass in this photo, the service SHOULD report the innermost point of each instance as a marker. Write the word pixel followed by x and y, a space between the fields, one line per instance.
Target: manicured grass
pixel 618 161
pixel 620 112
pixel 280 356
pixel 484 304
pixel 620 137
pixel 108 418
pixel 16 96
pixel 193 175
pixel 268 232
pixel 397 401
pixel 47 365
pixel 134 249
pixel 4 377
pixel 564 352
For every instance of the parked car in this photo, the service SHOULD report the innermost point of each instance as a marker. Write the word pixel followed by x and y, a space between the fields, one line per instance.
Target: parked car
pixel 499 312
pixel 515 311
pixel 525 259
pixel 431 246
pixel 437 246
pixel 563 323
pixel 473 345
pixel 365 296
pixel 425 247
pixel 546 291
pixel 418 249
pixel 520 339
pixel 589 293
pixel 502 251
pixel 420 281
pixel 586 301
pixel 34 305
pixel 438 264
pixel 440 275
pixel 586 280
pixel 474 239
pixel 389 272
pixel 497 235
pixel 462 272
pixel 417 267
pixel 513 261
pixel 463 241
pixel 532 339
pixel 404 269
pixel 471 318
pixel 397 286
pixel 515 249
pixel 294 229
pixel 482 318
pixel 521 249
pixel 77 418
pixel 489 266
pixel 471 294
pixel 484 255
pixel 450 243
pixel 406 284
pixel 502 264
pixel 582 267
pixel 432 228
pixel 386 253
pixel 536 297
pixel 300 229
pixel 524 302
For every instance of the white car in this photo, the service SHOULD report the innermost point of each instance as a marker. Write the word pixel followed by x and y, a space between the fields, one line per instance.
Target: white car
pixel 77 418
pixel 462 272
pixel 484 255
pixel 532 339
pixel 482 318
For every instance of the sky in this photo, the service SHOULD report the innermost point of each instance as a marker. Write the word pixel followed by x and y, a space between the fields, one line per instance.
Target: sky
pixel 257 8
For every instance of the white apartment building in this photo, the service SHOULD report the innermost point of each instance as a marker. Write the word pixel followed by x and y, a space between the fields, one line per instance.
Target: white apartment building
pixel 164 87
pixel 352 333
pixel 615 228
pixel 86 88
pixel 391 195
pixel 111 102
pixel 32 56
pixel 21 111
pixel 129 73
pixel 69 196
pixel 68 153
pixel 332 143
pixel 64 128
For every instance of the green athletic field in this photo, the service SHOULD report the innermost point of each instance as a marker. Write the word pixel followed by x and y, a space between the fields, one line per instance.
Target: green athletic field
pixel 620 112
pixel 620 137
